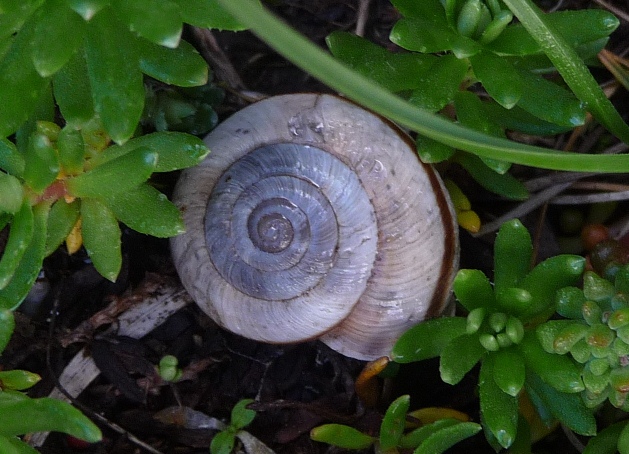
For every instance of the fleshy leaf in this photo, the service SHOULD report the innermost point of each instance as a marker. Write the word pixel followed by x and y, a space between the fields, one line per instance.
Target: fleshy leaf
pixel 182 66
pixel 473 289
pixel 512 255
pixel 499 410
pixel 158 21
pixel 20 236
pixel 114 75
pixel 208 14
pixel 72 90
pixel 505 185
pixel 459 357
pixel 18 379
pixel 12 193
pixel 176 150
pixel 556 370
pixel 498 77
pixel 87 8
pixel 21 85
pixel 446 437
pixel 44 414
pixel 439 84
pixel 606 441
pixel 52 44
pixel 569 409
pixel 241 416
pixel 509 371
pixel 42 163
pixel 146 210
pixel 101 237
pixel 394 71
pixel 28 269
pixel 550 102
pixel 341 436
pixel 428 339
pixel 7 325
pixel 61 219
pixel 11 160
pixel 394 422
pixel 115 176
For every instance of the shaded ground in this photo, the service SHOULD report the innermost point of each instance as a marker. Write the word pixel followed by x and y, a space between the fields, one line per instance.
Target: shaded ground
pixel 297 387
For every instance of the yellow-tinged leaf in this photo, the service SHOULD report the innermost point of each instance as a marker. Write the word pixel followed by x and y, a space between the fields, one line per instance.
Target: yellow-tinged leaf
pixel 428 415
pixel 74 240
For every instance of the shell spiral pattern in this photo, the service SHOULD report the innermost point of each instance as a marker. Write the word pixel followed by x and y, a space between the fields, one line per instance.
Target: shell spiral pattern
pixel 313 218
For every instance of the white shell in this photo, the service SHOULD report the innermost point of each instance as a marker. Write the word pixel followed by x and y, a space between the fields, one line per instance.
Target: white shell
pixel 394 247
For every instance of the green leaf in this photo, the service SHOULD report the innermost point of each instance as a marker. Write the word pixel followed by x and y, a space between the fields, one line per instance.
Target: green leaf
pixel 148 211
pixel 569 409
pixel 58 34
pixel 459 357
pixel 42 163
pixel 518 119
pixel 20 235
pixel 18 379
pixel 15 13
pixel 499 78
pixel 208 14
pixel 13 445
pixel 470 113
pixel 473 289
pixel 569 302
pixel 606 441
pixel 498 409
pixel 223 443
pixel 577 27
pixel 114 75
pixel 241 416
pixel 393 71
pixel 509 371
pixel 61 219
pixel 550 102
pixel 12 193
pixel 71 150
pixel 156 20
pixel 512 255
pixel 73 92
pixel 7 325
pixel 504 185
pixel 11 160
pixel 181 66
pixel 569 65
pixel 21 85
pixel 176 150
pixel 430 151
pixel 101 237
pixel 430 9
pixel 341 436
pixel 439 84
pixel 308 56
pixel 28 269
pixel 43 415
pixel 418 436
pixel 87 8
pixel 446 437
pixel 543 281
pixel 557 371
pixel 115 176
pixel 426 36
pixel 428 339
pixel 394 422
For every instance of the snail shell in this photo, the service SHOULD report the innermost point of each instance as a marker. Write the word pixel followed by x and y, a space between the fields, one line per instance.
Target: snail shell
pixel 313 218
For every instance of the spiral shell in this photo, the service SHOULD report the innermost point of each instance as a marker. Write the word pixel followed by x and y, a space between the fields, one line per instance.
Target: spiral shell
pixel 313 218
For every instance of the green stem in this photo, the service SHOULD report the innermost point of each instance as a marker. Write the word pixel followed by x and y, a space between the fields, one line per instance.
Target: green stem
pixel 324 67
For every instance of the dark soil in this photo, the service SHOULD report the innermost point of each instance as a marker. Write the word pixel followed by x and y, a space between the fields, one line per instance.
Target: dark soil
pixel 296 387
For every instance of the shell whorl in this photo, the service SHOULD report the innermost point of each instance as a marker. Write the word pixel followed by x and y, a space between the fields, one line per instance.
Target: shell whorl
pixel 312 217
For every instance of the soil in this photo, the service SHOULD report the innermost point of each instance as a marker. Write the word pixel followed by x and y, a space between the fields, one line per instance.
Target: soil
pixel 296 387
